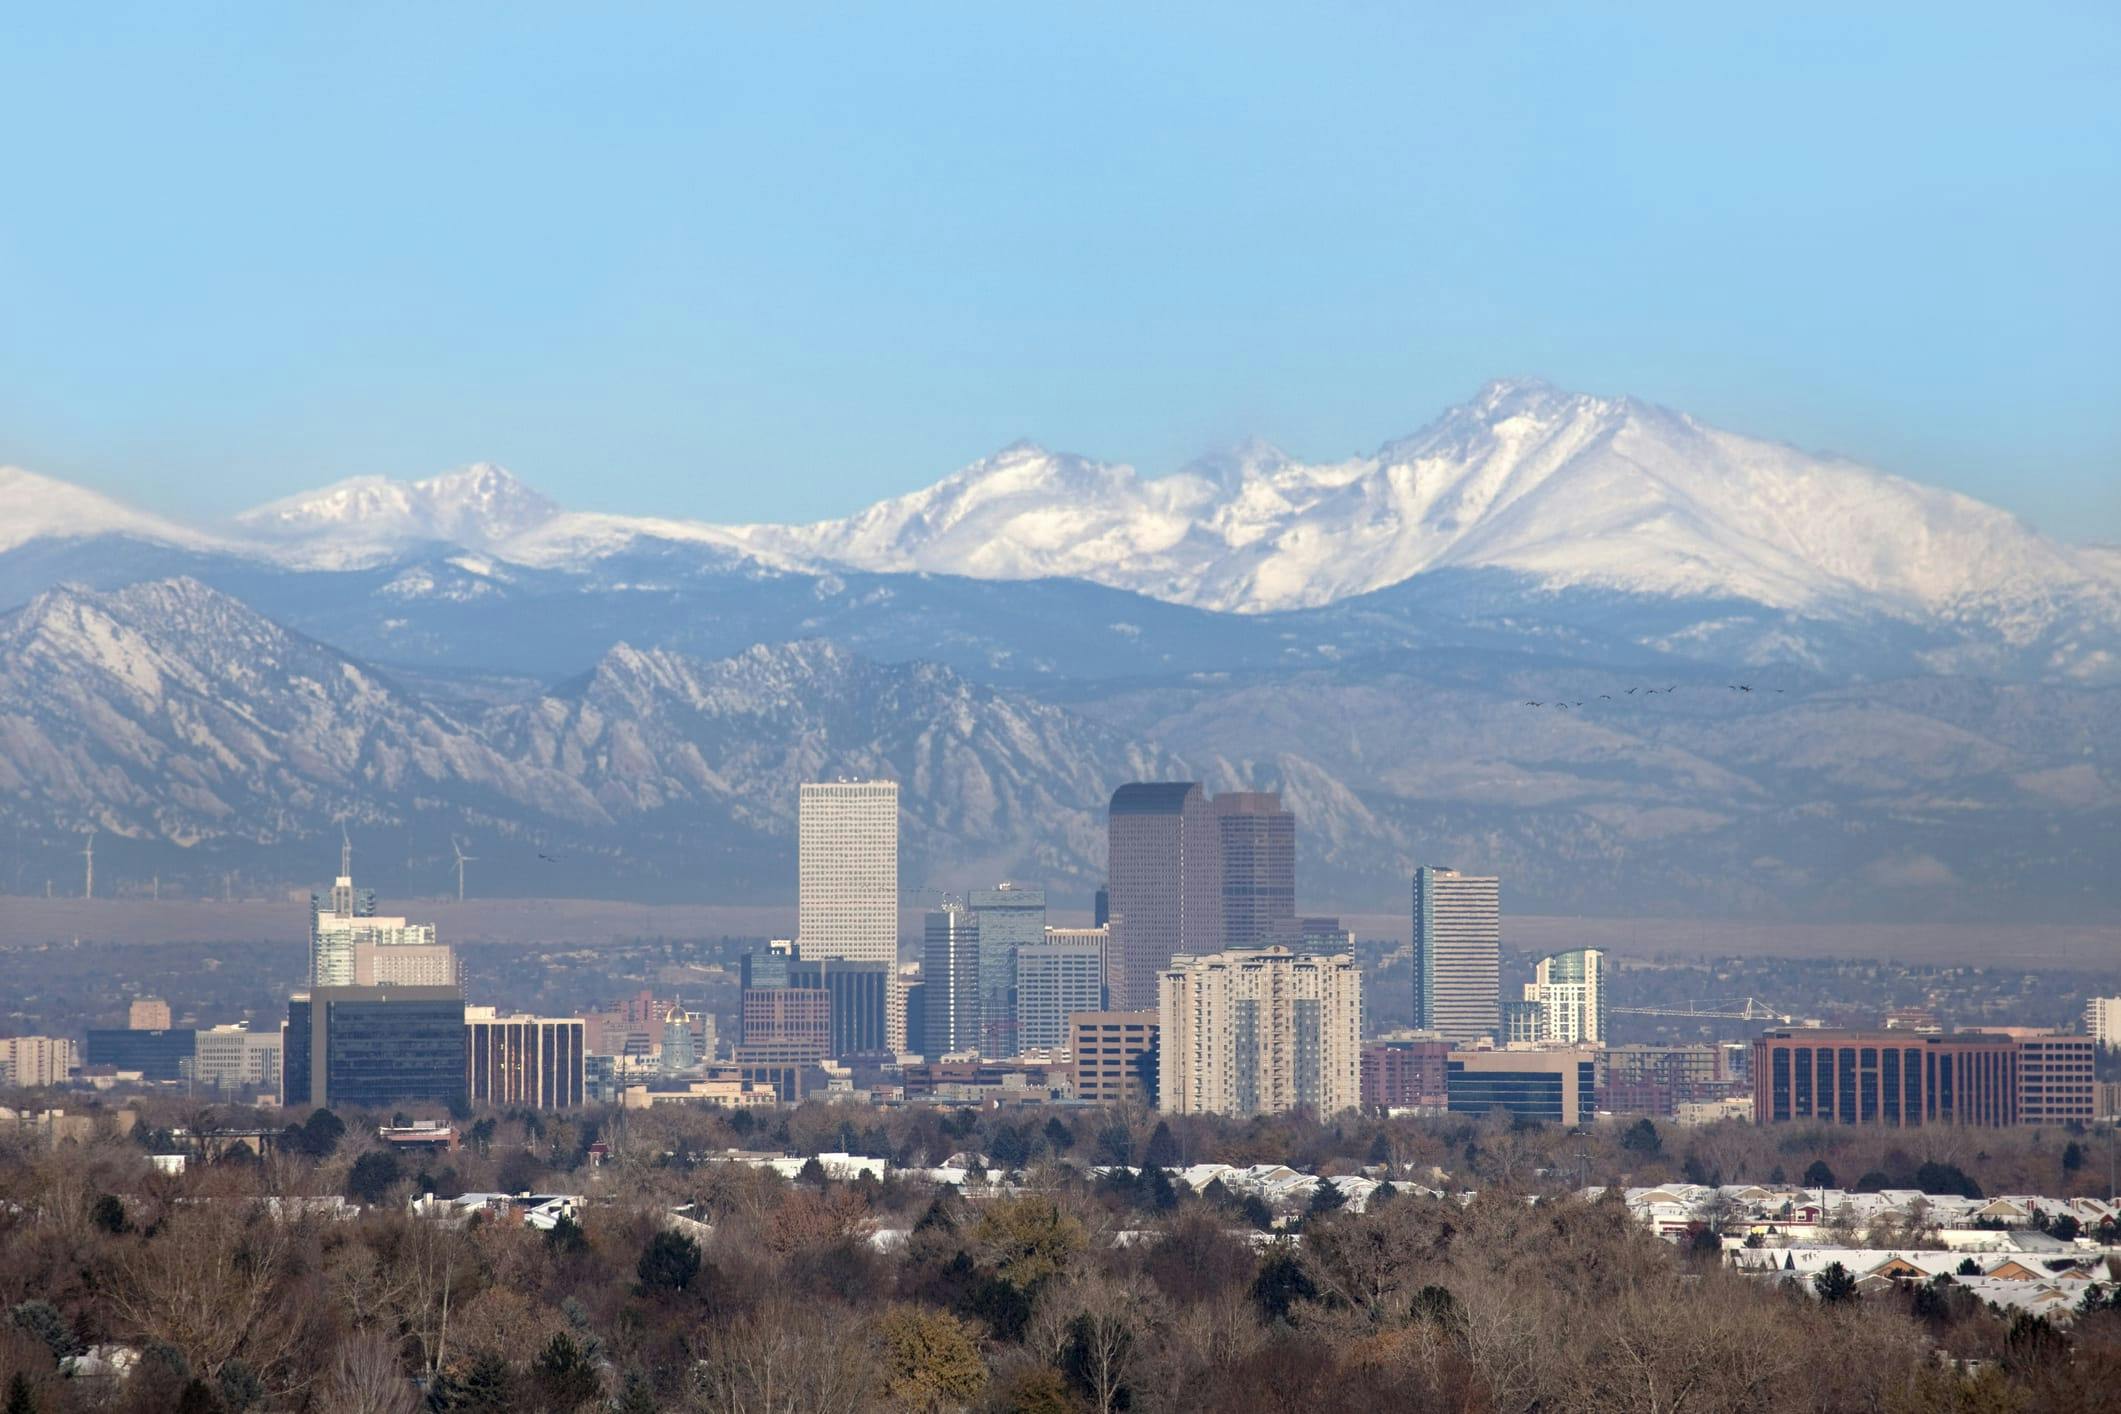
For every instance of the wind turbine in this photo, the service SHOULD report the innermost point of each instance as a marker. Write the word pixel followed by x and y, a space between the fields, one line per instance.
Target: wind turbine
pixel 88 854
pixel 462 860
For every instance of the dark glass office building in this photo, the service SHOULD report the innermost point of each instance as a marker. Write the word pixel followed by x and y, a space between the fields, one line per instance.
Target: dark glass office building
pixel 157 1055
pixel 1558 1087
pixel 371 1047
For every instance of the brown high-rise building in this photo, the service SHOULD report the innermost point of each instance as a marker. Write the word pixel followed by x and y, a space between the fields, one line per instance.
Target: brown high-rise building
pixel 1885 1077
pixel 1108 1047
pixel 1404 1074
pixel 1256 839
pixel 1165 878
pixel 148 1014
pixel 535 1062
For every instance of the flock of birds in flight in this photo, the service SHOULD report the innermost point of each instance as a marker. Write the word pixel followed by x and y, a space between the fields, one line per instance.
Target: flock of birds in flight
pixel 1646 692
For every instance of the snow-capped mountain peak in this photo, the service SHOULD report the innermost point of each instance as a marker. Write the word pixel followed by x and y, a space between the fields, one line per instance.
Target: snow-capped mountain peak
pixel 365 518
pixel 34 507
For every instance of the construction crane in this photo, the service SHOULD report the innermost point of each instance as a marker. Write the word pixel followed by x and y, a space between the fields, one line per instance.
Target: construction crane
pixel 1735 1009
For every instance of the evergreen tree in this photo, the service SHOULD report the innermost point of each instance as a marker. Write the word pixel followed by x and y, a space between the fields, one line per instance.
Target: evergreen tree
pixel 636 1397
pixel 1835 1284
pixel 1281 1283
pixel 19 1398
pixel 565 1238
pixel 108 1213
pixel 1162 1150
pixel 372 1177
pixel 564 1374
pixel 669 1262
pixel 488 1387
pixel 1326 1197
pixel 1819 1175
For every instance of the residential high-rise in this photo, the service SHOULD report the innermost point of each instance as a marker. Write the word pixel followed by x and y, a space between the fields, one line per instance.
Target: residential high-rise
pixel 369 1047
pixel 32 1062
pixel 1457 953
pixel 950 970
pixel 1011 917
pixel 1569 991
pixel 1401 1072
pixel 1260 1031
pixel 148 1014
pixel 1061 974
pixel 847 887
pixel 1256 846
pixel 529 1062
pixel 2102 1020
pixel 1164 879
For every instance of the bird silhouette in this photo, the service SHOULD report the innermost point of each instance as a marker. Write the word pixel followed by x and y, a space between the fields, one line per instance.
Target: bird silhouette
pixel 1535 704
pixel 1633 690
pixel 546 857
pixel 1605 697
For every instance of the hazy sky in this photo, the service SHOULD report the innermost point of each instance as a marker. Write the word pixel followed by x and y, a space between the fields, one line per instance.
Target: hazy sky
pixel 754 266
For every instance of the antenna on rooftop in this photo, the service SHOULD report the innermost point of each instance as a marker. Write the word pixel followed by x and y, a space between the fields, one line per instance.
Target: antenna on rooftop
pixel 88 855
pixel 462 860
pixel 345 852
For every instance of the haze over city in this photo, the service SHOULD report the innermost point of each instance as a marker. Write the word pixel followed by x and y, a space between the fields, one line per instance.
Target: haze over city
pixel 1059 710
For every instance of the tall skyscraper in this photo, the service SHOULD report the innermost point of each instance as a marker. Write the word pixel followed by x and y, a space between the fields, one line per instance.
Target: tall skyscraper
pixel 1457 953
pixel 1256 841
pixel 350 944
pixel 1165 880
pixel 1061 974
pixel 1260 1031
pixel 950 963
pixel 847 867
pixel 1569 991
pixel 1011 918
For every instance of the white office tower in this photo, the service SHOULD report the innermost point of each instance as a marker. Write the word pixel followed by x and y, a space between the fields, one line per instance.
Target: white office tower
pixel 1260 1031
pixel 1058 976
pixel 1457 954
pixel 346 927
pixel 2102 1020
pixel 1569 991
pixel 847 881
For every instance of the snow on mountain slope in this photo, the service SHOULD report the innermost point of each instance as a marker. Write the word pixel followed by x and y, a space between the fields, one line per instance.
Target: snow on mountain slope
pixel 34 507
pixel 368 518
pixel 1570 490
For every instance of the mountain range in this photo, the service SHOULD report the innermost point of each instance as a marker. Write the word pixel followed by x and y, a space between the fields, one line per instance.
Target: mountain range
pixel 608 704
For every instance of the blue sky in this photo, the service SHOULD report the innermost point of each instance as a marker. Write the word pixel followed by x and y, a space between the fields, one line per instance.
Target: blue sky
pixel 768 266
